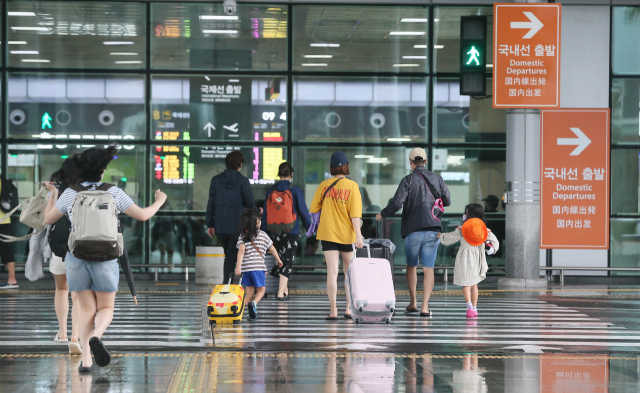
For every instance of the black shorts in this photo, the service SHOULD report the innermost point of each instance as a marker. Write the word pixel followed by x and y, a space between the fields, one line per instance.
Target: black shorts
pixel 6 249
pixel 331 246
pixel 286 245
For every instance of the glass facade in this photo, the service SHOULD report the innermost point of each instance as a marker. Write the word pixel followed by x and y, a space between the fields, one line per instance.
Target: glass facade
pixel 179 85
pixel 625 139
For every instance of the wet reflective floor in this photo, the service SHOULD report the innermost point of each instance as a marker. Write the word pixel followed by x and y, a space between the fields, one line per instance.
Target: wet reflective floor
pixel 563 339
pixel 323 372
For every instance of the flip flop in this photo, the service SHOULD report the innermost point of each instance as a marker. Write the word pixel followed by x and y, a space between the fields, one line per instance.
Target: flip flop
pixel 74 348
pixel 426 314
pixel 60 340
pixel 410 310
pixel 330 318
pixel 99 352
pixel 347 316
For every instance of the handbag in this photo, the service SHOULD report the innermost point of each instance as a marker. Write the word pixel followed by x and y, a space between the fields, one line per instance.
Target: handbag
pixel 32 215
pixel 437 210
pixel 315 217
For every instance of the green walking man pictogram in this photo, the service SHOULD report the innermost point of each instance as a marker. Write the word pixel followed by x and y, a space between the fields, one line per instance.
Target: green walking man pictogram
pixel 46 121
pixel 474 56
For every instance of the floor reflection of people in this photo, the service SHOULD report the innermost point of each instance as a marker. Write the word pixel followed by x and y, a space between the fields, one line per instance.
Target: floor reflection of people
pixel 163 236
pixel 470 379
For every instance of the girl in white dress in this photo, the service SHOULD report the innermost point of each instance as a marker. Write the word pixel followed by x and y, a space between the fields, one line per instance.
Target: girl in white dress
pixel 471 263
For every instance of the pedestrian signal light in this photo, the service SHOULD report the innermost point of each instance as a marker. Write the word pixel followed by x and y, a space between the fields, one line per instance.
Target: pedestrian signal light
pixel 473 55
pixel 46 121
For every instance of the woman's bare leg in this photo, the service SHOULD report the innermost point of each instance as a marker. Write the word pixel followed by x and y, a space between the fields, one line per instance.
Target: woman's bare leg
pixel 61 304
pixel 333 267
pixel 87 301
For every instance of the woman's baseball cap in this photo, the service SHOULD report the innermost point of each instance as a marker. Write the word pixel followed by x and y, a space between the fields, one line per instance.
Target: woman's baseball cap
pixel 338 159
pixel 474 231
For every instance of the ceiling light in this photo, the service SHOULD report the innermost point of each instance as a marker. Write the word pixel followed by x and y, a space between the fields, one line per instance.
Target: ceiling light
pixel 21 13
pixel 324 45
pixel 23 28
pixel 36 61
pixel 117 42
pixel 490 65
pixel 398 139
pixel 17 42
pixel 406 65
pixel 407 33
pixel 420 46
pixel 129 62
pixel 233 80
pixel 314 64
pixel 220 31
pixel 363 156
pixel 124 54
pixel 24 52
pixel 415 57
pixel 438 46
pixel 218 17
pixel 436 20
pixel 415 20
pixel 318 56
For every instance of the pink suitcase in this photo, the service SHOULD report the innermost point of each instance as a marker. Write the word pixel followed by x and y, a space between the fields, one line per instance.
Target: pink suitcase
pixel 369 284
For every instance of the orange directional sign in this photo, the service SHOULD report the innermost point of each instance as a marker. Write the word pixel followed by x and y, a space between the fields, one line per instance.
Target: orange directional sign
pixel 526 55
pixel 574 178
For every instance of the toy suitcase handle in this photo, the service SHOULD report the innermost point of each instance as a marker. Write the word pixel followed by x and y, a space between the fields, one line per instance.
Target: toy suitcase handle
pixel 231 278
pixel 365 245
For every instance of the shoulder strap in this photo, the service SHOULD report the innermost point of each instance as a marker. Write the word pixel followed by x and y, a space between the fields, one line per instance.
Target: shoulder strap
pixel 330 187
pixel 426 181
pixel 105 186
pixel 11 239
pixel 77 187
pixel 257 249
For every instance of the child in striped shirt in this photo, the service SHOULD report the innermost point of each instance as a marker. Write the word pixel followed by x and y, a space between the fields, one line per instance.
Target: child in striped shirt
pixel 253 245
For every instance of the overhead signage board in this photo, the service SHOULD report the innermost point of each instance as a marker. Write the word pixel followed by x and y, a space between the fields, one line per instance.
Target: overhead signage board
pixel 526 55
pixel 574 173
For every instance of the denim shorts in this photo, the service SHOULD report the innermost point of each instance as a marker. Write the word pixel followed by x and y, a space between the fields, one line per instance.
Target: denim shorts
pixel 422 245
pixel 95 276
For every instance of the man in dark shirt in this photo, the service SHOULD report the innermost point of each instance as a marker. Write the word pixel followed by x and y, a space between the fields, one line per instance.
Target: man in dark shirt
pixel 416 195
pixel 229 195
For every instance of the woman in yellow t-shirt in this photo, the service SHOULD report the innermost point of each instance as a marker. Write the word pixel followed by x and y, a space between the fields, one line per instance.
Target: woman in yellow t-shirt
pixel 341 204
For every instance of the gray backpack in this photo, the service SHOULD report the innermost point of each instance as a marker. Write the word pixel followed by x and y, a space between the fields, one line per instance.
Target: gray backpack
pixel 94 233
pixel 32 215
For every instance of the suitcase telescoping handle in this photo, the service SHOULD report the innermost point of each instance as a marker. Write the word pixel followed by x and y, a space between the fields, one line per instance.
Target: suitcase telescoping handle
pixel 231 278
pixel 366 245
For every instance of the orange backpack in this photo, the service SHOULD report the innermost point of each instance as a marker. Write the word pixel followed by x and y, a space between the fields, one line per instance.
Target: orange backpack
pixel 281 216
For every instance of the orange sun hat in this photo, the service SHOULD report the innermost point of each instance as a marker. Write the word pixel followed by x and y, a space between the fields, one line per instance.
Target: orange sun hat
pixel 474 231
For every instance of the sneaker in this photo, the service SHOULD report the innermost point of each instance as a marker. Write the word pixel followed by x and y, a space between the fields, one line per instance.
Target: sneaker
pixel 471 313
pixel 6 285
pixel 475 313
pixel 253 311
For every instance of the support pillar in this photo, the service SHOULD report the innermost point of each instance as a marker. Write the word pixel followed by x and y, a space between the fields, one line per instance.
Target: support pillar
pixel 523 200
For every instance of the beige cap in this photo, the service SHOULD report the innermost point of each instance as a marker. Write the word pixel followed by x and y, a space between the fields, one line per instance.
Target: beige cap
pixel 418 152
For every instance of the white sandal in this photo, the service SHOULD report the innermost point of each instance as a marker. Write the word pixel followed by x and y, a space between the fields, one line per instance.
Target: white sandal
pixel 60 340
pixel 74 348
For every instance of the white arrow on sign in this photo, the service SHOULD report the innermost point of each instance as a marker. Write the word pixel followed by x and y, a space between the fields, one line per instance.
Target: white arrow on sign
pixel 531 348
pixel 582 141
pixel 208 127
pixel 534 25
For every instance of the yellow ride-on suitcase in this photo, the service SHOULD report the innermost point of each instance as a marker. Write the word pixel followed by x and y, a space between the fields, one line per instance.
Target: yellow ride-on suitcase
pixel 226 303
